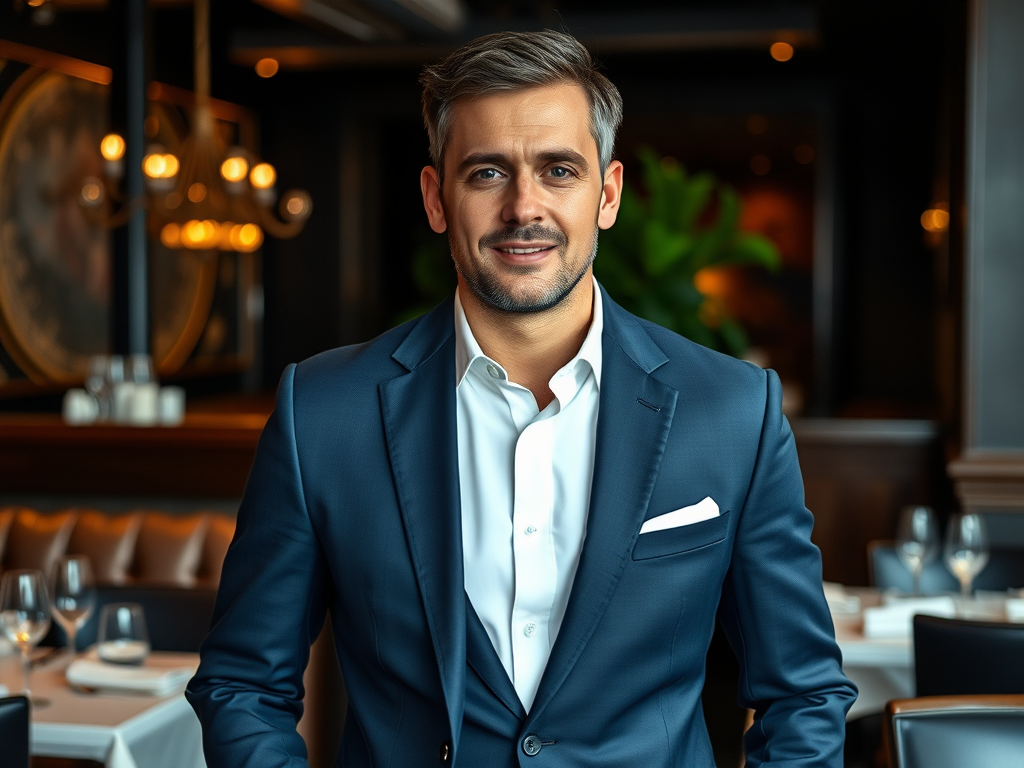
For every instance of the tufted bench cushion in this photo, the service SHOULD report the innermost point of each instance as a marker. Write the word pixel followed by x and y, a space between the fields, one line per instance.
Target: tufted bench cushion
pixel 142 547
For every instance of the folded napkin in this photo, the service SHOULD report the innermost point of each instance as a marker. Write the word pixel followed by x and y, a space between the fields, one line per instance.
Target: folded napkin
pixel 154 681
pixel 839 602
pixel 1015 609
pixel 3 691
pixel 896 618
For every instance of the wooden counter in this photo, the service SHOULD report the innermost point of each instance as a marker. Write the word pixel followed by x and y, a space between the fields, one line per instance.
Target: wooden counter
pixel 209 456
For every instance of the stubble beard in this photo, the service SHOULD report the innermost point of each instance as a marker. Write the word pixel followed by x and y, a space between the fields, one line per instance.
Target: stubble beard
pixel 487 283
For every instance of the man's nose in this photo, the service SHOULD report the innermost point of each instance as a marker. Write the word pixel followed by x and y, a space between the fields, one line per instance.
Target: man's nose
pixel 524 203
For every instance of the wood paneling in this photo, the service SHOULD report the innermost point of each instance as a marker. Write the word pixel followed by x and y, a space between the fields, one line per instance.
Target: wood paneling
pixel 206 457
pixel 858 474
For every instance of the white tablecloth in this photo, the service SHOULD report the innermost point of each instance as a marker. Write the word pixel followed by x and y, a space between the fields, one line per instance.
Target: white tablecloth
pixel 883 669
pixel 120 731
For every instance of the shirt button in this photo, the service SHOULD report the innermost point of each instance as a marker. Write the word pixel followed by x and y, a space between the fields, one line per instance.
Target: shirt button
pixel 530 530
pixel 444 752
pixel 493 372
pixel 529 629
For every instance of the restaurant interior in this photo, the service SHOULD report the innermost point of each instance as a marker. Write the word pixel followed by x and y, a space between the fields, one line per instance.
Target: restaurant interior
pixel 195 194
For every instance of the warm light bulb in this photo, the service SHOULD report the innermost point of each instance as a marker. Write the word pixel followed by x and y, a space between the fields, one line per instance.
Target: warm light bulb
pixel 171 166
pixel 781 51
pixel 296 205
pixel 91 195
pixel 112 147
pixel 234 169
pixel 199 235
pixel 267 67
pixel 263 176
pixel 154 165
pixel 197 192
pixel 246 238
pixel 935 220
pixel 170 235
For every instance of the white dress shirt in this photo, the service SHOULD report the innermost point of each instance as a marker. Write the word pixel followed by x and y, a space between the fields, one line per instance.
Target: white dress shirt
pixel 524 477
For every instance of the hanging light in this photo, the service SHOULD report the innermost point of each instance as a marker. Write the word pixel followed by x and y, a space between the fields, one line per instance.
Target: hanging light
pixel 204 197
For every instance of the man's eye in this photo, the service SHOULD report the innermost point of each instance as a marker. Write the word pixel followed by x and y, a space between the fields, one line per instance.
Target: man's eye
pixel 560 172
pixel 486 174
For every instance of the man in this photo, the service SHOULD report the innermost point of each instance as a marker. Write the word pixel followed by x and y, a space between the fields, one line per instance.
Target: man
pixel 524 509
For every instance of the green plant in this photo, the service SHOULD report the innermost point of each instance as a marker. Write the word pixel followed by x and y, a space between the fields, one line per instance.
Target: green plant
pixel 660 241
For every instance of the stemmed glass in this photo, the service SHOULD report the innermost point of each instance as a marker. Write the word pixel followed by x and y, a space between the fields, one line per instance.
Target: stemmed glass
pixel 917 541
pixel 966 551
pixel 74 596
pixel 24 613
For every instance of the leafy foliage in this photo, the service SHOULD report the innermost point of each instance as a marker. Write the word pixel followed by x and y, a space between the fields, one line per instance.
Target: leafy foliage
pixel 648 260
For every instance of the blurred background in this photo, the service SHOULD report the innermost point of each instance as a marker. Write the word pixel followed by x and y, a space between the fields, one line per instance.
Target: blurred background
pixel 857 167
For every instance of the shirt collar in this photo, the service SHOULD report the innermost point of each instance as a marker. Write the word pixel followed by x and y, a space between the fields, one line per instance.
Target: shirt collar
pixel 467 350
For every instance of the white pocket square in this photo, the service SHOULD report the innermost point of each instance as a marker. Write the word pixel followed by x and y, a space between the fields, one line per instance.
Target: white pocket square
pixel 696 513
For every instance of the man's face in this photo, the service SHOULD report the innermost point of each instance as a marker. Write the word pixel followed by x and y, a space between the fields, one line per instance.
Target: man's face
pixel 523 195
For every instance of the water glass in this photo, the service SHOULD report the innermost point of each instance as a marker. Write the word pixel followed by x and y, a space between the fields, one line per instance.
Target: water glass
pixel 24 613
pixel 122 636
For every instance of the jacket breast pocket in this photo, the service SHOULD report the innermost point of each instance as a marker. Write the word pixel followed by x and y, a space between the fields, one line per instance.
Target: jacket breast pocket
pixel 685 538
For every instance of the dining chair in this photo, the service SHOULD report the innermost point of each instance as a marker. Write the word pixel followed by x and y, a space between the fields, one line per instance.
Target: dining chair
pixel 955 657
pixel 955 731
pixel 13 732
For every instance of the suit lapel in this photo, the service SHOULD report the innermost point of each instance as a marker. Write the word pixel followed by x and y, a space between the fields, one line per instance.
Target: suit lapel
pixel 419 421
pixel 485 662
pixel 633 424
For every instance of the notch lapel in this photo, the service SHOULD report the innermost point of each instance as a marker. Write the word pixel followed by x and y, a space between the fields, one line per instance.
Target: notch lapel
pixel 634 419
pixel 419 422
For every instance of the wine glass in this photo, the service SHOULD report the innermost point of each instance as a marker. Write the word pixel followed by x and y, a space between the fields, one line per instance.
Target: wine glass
pixel 24 613
pixel 966 551
pixel 74 596
pixel 917 541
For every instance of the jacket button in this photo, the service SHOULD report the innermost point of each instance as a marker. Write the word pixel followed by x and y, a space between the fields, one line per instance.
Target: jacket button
pixel 444 752
pixel 531 744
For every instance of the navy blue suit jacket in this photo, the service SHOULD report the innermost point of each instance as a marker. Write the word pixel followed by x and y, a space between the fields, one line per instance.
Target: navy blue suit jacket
pixel 352 504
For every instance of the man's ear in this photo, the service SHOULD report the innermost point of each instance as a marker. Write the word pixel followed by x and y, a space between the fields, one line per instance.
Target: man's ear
pixel 611 195
pixel 430 186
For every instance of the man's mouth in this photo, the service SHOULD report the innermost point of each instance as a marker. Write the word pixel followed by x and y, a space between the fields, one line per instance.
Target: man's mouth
pixel 523 251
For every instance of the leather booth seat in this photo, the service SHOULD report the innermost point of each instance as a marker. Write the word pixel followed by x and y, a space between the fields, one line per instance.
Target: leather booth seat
pixel 142 547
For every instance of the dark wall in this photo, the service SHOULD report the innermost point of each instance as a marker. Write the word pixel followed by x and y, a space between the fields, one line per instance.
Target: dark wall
pixel 884 83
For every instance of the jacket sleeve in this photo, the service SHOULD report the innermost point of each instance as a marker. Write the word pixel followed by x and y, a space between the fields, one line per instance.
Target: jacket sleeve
pixel 774 613
pixel 270 607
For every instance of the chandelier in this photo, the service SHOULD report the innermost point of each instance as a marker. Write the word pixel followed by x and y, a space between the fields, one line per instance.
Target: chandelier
pixel 208 199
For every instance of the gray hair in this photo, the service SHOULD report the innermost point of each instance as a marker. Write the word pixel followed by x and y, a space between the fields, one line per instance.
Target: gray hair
pixel 509 61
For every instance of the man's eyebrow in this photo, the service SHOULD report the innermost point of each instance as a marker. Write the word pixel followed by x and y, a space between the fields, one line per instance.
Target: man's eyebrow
pixel 565 155
pixel 482 158
pixel 561 155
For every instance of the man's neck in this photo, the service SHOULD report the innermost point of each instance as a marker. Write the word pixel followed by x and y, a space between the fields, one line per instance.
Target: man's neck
pixel 532 346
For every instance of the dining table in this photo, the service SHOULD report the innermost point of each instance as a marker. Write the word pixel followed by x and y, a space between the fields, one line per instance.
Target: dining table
pixel 115 729
pixel 882 668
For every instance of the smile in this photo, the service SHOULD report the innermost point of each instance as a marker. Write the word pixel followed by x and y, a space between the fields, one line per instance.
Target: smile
pixel 525 250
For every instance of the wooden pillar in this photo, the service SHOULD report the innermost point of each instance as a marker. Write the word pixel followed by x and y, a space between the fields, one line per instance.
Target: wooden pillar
pixel 128 116
pixel 989 474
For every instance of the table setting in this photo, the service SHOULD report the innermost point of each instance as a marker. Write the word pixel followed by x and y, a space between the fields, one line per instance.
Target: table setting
pixel 119 702
pixel 874 628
